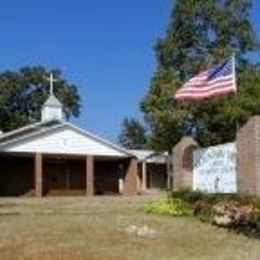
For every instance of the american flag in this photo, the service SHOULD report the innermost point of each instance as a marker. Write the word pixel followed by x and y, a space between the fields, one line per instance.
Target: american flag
pixel 216 81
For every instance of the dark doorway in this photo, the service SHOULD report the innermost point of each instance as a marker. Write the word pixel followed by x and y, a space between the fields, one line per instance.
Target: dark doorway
pixel 16 176
pixel 157 176
pixel 107 175
pixel 64 177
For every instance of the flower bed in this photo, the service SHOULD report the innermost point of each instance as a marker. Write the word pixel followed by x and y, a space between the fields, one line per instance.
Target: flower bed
pixel 234 212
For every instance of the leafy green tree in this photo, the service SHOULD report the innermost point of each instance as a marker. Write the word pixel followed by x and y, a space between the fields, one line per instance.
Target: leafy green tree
pixel 201 33
pixel 23 92
pixel 133 134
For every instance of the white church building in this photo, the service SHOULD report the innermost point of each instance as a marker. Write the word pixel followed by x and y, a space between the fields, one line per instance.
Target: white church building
pixel 54 157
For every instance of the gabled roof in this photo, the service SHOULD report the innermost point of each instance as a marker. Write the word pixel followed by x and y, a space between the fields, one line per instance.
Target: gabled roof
pixel 52 101
pixel 26 130
pixel 35 130
pixel 101 140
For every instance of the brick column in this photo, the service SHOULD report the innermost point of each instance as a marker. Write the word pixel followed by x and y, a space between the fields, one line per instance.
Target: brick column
pixel 38 175
pixel 182 163
pixel 248 157
pixel 131 178
pixel 90 175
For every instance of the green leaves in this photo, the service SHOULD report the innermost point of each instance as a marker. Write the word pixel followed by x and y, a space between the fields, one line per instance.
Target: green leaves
pixel 22 94
pixel 133 134
pixel 174 207
pixel 201 33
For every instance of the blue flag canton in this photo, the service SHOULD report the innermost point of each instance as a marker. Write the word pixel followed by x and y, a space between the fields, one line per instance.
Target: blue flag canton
pixel 221 70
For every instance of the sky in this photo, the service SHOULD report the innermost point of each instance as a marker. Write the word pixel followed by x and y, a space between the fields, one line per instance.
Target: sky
pixel 104 47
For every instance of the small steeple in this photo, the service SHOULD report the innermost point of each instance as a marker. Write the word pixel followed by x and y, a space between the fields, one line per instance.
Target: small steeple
pixel 52 108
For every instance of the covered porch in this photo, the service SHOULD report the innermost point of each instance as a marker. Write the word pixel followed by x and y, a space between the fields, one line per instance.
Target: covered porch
pixel 38 174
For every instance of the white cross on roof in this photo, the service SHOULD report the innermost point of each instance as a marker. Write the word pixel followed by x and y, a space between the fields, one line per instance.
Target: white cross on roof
pixel 51 79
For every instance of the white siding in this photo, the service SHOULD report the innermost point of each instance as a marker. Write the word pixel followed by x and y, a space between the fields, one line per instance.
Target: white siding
pixel 50 113
pixel 64 141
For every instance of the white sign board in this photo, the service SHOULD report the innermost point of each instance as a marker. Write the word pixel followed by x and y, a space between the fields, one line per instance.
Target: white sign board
pixel 214 169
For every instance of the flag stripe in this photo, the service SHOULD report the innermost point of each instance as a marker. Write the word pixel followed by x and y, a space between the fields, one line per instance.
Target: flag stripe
pixel 202 92
pixel 216 81
pixel 208 84
pixel 201 96
pixel 207 88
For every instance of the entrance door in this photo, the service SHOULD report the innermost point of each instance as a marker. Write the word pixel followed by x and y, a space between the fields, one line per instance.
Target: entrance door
pixel 64 177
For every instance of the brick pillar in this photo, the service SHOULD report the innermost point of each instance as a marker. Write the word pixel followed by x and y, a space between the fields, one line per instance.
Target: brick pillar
pixel 183 163
pixel 131 178
pixel 90 175
pixel 38 175
pixel 248 157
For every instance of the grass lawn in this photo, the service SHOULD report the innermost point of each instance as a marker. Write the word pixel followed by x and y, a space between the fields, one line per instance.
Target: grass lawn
pixel 95 228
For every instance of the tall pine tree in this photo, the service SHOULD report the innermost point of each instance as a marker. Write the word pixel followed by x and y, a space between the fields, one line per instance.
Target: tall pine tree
pixel 133 134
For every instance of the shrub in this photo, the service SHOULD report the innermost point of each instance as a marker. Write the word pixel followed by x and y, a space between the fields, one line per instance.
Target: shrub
pixel 202 210
pixel 166 206
pixel 187 195
pixel 232 213
pixel 240 213
pixel 194 196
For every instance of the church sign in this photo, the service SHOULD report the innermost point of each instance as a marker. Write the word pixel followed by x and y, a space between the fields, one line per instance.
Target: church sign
pixel 214 169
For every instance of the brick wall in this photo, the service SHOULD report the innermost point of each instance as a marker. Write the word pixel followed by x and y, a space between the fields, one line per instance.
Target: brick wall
pixel 248 159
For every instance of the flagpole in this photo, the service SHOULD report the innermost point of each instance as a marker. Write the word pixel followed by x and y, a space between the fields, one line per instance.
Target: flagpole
pixel 234 70
pixel 235 85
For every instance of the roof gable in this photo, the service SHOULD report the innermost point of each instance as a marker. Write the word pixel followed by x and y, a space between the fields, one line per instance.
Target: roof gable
pixel 63 138
pixel 26 130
